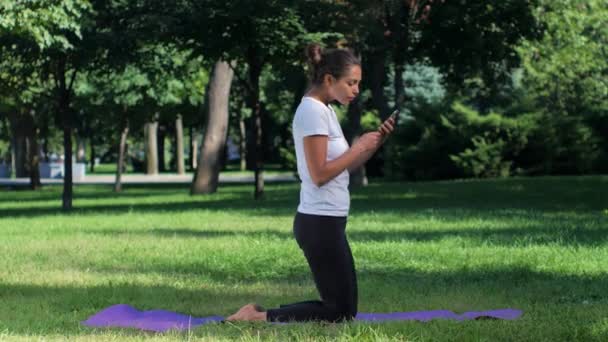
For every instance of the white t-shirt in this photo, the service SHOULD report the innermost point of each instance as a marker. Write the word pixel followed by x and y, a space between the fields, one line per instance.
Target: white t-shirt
pixel 313 117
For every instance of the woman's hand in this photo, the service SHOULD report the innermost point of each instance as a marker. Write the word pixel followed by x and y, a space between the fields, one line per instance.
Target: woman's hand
pixel 368 142
pixel 387 128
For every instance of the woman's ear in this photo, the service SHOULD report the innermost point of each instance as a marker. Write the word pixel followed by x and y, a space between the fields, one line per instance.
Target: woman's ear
pixel 328 80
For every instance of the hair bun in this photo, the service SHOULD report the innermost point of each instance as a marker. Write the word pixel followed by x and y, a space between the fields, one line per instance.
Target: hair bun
pixel 313 52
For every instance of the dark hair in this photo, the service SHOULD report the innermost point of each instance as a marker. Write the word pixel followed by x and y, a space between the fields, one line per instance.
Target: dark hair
pixel 329 61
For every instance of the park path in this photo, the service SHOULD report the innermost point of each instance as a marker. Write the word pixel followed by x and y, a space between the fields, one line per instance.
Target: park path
pixel 148 179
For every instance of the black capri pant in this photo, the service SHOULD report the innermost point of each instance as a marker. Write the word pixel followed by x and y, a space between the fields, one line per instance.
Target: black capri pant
pixel 323 240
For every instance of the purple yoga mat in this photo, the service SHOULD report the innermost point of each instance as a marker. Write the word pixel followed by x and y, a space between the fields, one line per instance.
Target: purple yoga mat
pixel 126 316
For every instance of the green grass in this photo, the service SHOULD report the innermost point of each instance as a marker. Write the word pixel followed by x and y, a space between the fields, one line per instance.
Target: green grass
pixel 537 244
pixel 108 169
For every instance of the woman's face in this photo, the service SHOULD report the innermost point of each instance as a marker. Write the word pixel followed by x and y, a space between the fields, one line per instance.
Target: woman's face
pixel 346 88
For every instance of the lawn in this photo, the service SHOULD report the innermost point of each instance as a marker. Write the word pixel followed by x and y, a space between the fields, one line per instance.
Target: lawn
pixel 535 244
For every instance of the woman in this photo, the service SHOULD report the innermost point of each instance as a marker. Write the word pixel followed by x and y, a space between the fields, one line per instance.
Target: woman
pixel 324 161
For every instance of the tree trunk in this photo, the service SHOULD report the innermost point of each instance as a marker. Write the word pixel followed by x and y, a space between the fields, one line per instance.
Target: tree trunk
pixel 161 133
pixel 120 162
pixel 255 69
pixel 399 86
pixel 33 151
pixel 81 154
pixel 179 146
pixel 357 177
pixel 13 149
pixel 20 155
pixel 375 69
pixel 194 137
pixel 24 141
pixel 402 39
pixel 19 141
pixel 151 148
pixel 35 183
pixel 93 156
pixel 67 162
pixel 207 174
pixel 243 144
pixel 259 156
pixel 64 89
pixel 44 135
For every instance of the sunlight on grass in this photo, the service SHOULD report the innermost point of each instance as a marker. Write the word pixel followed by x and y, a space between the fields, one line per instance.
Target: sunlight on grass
pixel 540 245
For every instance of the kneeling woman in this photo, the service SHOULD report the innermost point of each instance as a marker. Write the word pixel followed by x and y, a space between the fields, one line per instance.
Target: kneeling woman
pixel 324 160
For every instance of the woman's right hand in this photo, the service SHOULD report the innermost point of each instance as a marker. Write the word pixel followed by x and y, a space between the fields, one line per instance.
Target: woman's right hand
pixel 368 141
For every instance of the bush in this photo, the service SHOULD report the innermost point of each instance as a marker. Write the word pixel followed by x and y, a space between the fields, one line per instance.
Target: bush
pixel 495 140
pixel 459 143
pixel 560 144
pixel 484 160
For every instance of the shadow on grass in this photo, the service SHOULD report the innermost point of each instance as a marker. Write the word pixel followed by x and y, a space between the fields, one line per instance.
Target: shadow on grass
pixel 563 232
pixel 231 197
pixel 278 205
pixel 105 191
pixel 481 197
pixel 37 309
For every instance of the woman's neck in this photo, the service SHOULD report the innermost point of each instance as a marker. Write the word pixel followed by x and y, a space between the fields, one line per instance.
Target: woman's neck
pixel 319 95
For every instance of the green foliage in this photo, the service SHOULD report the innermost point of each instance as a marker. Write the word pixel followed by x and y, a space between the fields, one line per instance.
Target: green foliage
pixel 370 121
pixel 4 151
pixel 567 68
pixel 561 145
pixel 561 86
pixel 490 136
pixel 469 38
pixel 496 88
pixel 48 23
pixel 565 74
pixel 288 157
pixel 424 87
pixel 485 159
pixel 458 141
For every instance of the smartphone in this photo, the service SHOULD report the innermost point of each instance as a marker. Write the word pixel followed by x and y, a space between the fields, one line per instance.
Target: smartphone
pixel 395 116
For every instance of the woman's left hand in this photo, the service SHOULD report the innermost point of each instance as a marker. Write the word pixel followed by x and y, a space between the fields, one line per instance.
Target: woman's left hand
pixel 387 127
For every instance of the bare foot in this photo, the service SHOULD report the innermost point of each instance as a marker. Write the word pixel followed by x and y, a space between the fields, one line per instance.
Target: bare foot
pixel 249 312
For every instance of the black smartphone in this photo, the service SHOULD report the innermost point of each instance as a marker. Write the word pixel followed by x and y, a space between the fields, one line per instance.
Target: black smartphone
pixel 395 116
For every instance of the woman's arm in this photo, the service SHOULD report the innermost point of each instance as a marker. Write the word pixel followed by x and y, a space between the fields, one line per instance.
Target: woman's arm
pixel 385 130
pixel 322 171
pixel 362 159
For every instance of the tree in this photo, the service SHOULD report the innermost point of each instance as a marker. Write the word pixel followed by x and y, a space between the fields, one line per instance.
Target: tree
pixel 472 39
pixel 31 33
pixel 64 36
pixel 466 41
pixel 21 105
pixel 566 73
pixel 207 174
pixel 272 33
pixel 251 37
pixel 116 99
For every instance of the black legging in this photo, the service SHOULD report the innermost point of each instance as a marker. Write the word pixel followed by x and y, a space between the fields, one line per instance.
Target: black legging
pixel 323 240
